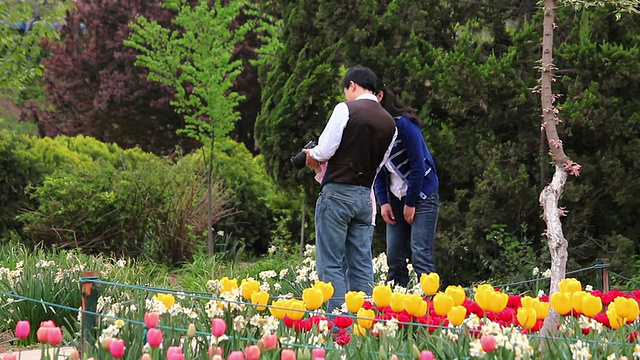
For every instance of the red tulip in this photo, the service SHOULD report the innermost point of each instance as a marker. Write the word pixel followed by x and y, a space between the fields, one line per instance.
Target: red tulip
pixel 236 355
pixel 270 341
pixel 116 348
pixel 488 342
pixel 54 336
pixel 151 319
pixel 252 352
pixel 287 354
pixel 154 337
pixel 218 327
pixel 342 322
pixel 23 329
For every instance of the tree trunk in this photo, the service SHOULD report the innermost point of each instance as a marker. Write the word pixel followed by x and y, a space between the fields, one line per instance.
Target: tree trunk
pixel 549 198
pixel 550 195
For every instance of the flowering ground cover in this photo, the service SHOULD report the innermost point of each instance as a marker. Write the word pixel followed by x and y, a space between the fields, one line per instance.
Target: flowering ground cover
pixel 279 315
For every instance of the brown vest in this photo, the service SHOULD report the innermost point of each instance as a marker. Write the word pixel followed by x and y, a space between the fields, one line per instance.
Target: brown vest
pixel 365 140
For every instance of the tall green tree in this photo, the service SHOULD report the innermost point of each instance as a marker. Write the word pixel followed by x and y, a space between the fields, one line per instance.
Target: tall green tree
pixel 197 61
pixel 23 25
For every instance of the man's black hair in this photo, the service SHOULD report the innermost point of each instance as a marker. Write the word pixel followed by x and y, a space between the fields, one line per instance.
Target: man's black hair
pixel 362 76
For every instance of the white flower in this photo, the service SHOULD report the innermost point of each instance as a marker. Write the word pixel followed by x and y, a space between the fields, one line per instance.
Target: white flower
pixel 536 271
pixel 122 263
pixel 475 349
pixel 588 288
pixel 271 249
pixel 546 273
pixel 220 233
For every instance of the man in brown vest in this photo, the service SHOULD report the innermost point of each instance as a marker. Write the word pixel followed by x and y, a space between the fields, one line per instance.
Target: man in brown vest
pixel 355 143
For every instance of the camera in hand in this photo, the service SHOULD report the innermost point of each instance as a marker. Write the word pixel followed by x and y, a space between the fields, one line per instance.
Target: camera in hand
pixel 299 160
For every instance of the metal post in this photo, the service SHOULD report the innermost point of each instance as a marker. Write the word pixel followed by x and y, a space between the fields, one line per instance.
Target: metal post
pixel 602 274
pixel 89 303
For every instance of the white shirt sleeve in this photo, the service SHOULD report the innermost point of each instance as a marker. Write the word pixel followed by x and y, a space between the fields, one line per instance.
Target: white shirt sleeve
pixel 332 134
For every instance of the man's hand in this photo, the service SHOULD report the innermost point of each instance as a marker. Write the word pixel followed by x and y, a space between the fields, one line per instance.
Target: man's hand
pixel 409 213
pixel 311 163
pixel 387 214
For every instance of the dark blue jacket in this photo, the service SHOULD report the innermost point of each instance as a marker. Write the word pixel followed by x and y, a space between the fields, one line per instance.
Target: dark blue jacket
pixel 412 161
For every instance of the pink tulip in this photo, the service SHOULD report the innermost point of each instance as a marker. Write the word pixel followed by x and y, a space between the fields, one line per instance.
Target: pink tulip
pixel 394 357
pixel 116 348
pixel 270 341
pixel 74 355
pixel 23 329
pixel 236 355
pixel 252 352
pixel 287 354
pixel 177 356
pixel 426 355
pixel 317 354
pixel 488 342
pixel 217 357
pixel 43 334
pixel 151 319
pixel 54 336
pixel 146 357
pixel 218 327
pixel 173 350
pixel 48 324
pixel 154 337
pixel 10 357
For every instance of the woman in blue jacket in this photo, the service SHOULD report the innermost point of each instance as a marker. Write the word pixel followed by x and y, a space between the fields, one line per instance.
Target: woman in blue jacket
pixel 407 190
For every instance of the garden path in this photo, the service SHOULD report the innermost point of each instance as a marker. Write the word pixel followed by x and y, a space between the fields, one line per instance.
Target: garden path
pixel 35 354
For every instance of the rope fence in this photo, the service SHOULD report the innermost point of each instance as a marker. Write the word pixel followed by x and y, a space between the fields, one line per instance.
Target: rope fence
pixel 91 283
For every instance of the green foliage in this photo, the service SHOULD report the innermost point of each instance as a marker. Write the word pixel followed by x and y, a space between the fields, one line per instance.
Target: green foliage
pixel 20 51
pixel 197 63
pixel 250 193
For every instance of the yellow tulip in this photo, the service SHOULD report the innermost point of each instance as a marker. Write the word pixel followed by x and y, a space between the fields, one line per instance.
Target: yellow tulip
pixel 576 300
pixel 615 320
pixel 484 298
pixel 312 298
pixel 457 314
pixel 442 303
pixel 591 305
pixel 569 285
pixel 228 285
pixel 382 295
pixel 260 298
pixel 167 299
pixel 499 301
pixel 296 309
pixel 397 302
pixel 528 301
pixel 354 300
pixel 484 287
pixel 277 308
pixel 542 308
pixel 359 330
pixel 626 308
pixel 527 317
pixel 414 304
pixel 561 302
pixel 326 288
pixel 365 318
pixel 430 283
pixel 248 287
pixel 457 294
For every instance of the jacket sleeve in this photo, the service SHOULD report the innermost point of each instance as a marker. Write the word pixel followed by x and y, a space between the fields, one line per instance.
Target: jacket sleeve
pixel 412 140
pixel 381 186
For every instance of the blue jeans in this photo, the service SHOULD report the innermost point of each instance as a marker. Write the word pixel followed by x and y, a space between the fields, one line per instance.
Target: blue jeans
pixel 343 240
pixel 414 242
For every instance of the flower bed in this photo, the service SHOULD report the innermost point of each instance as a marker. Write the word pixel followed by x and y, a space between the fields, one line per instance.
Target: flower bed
pixel 279 315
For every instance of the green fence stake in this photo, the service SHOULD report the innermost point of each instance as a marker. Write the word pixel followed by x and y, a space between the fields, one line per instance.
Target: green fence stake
pixel 90 304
